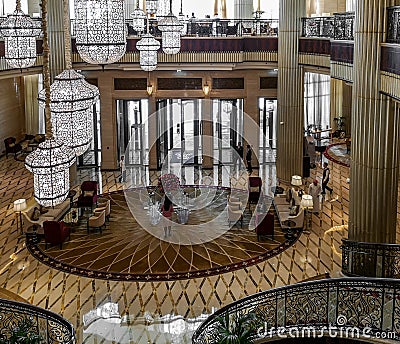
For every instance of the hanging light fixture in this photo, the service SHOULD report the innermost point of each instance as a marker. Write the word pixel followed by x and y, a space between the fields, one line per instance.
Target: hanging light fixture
pixel 148 47
pixel 182 20
pixel 100 30
pixel 50 162
pixel 162 8
pixel 151 6
pixel 138 18
pixel 20 32
pixel 171 30
pixel 71 101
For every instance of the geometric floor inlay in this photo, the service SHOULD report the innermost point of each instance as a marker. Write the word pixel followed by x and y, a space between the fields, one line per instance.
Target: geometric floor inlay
pixel 125 251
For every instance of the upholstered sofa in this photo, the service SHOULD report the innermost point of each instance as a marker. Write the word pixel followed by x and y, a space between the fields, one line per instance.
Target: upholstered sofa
pixel 52 214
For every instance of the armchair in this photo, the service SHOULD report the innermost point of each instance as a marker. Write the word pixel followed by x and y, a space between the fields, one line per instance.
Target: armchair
pixel 98 220
pixel 265 226
pixel 104 204
pixel 235 213
pixel 254 184
pixel 12 146
pixel 88 195
pixel 55 233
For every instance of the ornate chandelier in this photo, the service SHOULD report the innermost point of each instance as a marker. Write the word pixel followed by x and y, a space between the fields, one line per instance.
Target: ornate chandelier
pixel 20 32
pixel 171 29
pixel 50 162
pixel 71 101
pixel 100 30
pixel 162 8
pixel 151 6
pixel 148 47
pixel 138 19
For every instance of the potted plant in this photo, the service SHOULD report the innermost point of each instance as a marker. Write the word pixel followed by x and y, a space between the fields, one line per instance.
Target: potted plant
pixel 236 329
pixel 22 333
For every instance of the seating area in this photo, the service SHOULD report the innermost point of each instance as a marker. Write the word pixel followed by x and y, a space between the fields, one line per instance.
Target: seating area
pixel 289 212
pixel 88 196
pixel 35 216
pixel 12 147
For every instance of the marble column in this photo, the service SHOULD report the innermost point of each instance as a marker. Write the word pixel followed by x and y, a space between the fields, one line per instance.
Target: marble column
pixel 243 9
pixel 56 37
pixel 130 6
pixel 33 7
pixel 375 135
pixel 290 91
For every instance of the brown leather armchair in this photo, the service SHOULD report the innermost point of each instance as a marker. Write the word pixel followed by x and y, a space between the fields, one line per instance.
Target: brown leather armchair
pixel 12 146
pixel 55 233
pixel 255 184
pixel 265 227
pixel 88 195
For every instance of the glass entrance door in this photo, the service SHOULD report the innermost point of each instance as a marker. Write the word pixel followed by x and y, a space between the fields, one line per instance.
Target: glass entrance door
pixel 178 132
pixel 268 128
pixel 132 130
pixel 228 128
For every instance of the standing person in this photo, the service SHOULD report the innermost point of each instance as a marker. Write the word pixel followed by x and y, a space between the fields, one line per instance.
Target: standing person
pixel 249 154
pixel 238 155
pixel 122 168
pixel 167 209
pixel 325 179
pixel 315 190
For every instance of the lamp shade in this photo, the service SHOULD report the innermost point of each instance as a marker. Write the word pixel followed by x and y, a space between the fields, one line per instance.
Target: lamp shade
pixel 20 32
pixel 100 30
pixel 148 47
pixel 296 181
pixel 171 29
pixel 20 204
pixel 306 201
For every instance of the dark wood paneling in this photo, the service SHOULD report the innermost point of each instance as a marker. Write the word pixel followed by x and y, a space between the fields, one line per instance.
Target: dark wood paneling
pixel 315 46
pixel 390 59
pixel 342 51
pixel 268 83
pixel 180 84
pixel 228 83
pixel 93 82
pixel 124 84
pixel 260 44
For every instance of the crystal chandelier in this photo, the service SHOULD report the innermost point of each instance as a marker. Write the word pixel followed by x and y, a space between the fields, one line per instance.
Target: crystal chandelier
pixel 171 33
pixel 50 162
pixel 151 6
pixel 100 30
pixel 20 32
pixel 138 19
pixel 148 47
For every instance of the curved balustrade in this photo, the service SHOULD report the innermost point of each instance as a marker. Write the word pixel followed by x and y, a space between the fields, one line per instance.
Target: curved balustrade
pixel 393 25
pixel 52 327
pixel 370 259
pixel 338 27
pixel 359 306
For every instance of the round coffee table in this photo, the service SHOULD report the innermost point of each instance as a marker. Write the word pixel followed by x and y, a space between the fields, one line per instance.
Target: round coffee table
pixel 287 226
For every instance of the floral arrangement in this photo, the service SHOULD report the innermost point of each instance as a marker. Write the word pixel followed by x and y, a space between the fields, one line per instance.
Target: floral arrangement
pixel 23 333
pixel 169 182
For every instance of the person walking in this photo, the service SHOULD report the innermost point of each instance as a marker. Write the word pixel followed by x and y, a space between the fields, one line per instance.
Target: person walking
pixel 249 154
pixel 122 168
pixel 314 190
pixel 325 180
pixel 167 209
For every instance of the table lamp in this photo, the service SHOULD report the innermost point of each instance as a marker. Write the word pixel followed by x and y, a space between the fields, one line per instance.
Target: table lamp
pixel 296 180
pixel 307 203
pixel 19 206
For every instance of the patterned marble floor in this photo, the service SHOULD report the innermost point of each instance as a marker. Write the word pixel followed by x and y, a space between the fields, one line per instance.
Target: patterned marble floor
pixel 156 312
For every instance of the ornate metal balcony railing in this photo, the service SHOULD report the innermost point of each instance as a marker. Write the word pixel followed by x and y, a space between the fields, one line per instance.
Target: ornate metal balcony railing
pixel 338 27
pixel 215 27
pixel 370 260
pixel 52 327
pixel 366 307
pixel 393 25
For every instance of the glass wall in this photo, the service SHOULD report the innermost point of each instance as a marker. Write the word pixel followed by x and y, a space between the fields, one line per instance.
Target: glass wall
pixel 316 101
pixel 133 131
